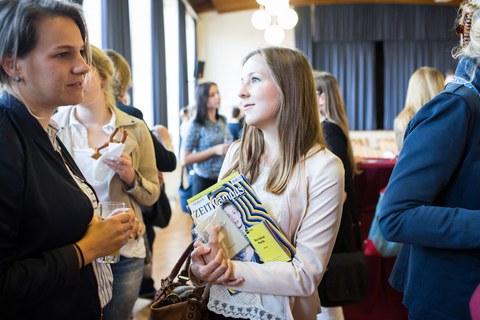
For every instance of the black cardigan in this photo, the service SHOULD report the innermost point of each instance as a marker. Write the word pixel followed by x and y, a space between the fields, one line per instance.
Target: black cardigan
pixel 42 212
pixel 337 143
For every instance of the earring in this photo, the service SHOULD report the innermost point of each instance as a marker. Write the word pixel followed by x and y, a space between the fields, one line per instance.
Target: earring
pixel 18 79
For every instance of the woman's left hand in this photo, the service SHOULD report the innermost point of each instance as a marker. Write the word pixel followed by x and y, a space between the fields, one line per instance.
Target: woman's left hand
pixel 123 167
pixel 138 229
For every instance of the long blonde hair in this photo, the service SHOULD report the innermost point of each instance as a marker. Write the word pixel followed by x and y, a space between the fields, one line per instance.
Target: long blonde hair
pixel 298 121
pixel 334 108
pixel 102 63
pixel 424 84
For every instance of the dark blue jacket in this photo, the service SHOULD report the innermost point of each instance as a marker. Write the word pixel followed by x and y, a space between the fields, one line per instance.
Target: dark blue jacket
pixel 42 213
pixel 432 204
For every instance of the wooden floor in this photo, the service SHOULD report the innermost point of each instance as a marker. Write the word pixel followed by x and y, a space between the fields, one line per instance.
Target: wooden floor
pixel 169 243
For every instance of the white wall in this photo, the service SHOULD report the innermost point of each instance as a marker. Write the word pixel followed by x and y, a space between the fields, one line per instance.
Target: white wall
pixel 223 41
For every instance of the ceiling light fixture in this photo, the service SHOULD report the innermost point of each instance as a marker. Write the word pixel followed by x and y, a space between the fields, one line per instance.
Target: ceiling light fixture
pixel 274 16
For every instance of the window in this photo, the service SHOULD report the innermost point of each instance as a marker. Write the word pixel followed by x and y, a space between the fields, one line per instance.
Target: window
pixel 93 16
pixel 141 42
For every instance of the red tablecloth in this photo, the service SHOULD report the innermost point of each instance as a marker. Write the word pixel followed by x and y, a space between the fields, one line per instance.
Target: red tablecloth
pixel 382 301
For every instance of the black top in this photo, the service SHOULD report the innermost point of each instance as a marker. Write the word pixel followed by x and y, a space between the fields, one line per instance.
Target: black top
pixel 42 212
pixel 337 143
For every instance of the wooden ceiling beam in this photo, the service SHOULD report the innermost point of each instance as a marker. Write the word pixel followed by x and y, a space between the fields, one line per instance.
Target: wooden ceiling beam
pixel 224 6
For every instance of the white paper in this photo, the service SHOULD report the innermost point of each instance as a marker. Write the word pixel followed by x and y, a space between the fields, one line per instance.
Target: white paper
pixel 101 170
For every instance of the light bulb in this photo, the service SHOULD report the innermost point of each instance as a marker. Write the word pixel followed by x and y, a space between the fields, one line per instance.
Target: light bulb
pixel 287 19
pixel 274 34
pixel 260 19
pixel 274 7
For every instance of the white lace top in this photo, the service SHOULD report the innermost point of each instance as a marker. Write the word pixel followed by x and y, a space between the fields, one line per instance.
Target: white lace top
pixel 246 304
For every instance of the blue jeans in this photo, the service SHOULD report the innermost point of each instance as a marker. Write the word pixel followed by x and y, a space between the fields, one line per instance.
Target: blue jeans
pixel 127 276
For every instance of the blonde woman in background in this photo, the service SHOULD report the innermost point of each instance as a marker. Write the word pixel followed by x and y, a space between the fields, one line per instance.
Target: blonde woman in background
pixel 424 84
pixel 165 158
pixel 133 176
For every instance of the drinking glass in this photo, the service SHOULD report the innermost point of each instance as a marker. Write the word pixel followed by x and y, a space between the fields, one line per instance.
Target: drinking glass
pixel 106 211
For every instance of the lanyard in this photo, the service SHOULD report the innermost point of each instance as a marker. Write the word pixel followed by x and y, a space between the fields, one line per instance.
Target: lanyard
pixel 466 84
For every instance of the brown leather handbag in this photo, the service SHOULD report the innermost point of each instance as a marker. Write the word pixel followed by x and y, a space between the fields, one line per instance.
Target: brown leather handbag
pixel 180 299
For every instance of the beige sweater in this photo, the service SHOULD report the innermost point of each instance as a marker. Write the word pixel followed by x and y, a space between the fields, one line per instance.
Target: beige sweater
pixel 139 146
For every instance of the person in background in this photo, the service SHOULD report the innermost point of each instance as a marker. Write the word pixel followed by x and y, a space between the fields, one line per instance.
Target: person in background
pixel 185 116
pixel 204 145
pixel 131 177
pixel 335 129
pixel 235 123
pixel 165 157
pixel 449 76
pixel 424 84
pixel 48 234
pixel 297 179
pixel 432 204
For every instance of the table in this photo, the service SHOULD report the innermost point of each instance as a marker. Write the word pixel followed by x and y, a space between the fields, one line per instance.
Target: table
pixel 382 301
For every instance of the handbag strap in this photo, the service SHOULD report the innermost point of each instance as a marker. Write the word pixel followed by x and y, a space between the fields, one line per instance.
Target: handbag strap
pixel 357 225
pixel 181 261
pixel 356 230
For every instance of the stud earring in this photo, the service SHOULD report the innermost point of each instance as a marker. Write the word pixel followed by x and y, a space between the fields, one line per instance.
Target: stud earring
pixel 18 79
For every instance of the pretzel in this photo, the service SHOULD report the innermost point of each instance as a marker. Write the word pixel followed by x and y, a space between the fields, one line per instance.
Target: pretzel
pixel 96 151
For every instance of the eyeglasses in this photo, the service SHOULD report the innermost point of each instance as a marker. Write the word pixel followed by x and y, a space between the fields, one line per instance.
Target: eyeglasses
pixel 96 151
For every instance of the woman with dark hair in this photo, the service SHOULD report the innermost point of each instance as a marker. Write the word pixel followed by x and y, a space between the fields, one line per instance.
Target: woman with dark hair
pixel 204 144
pixel 48 234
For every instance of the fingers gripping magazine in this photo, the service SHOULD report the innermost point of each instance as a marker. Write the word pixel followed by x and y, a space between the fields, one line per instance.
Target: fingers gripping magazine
pixel 264 240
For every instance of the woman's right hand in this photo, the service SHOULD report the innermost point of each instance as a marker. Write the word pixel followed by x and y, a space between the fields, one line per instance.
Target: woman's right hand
pixel 106 236
pixel 209 264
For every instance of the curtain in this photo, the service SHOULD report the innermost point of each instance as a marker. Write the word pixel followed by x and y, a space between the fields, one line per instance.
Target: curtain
pixel 159 68
pixel 374 54
pixel 303 31
pixel 116 27
pixel 182 51
pixel 353 64
pixel 401 60
pixel 379 22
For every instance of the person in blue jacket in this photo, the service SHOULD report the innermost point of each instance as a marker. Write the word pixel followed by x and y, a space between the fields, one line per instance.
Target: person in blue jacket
pixel 432 203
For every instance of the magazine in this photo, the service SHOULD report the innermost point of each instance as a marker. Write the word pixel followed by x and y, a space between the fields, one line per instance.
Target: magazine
pixel 231 239
pixel 239 201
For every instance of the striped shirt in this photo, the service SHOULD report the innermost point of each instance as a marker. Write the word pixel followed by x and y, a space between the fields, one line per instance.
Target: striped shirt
pixel 102 271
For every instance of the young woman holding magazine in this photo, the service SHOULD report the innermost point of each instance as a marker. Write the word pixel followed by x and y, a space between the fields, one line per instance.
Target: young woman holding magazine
pixel 296 178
